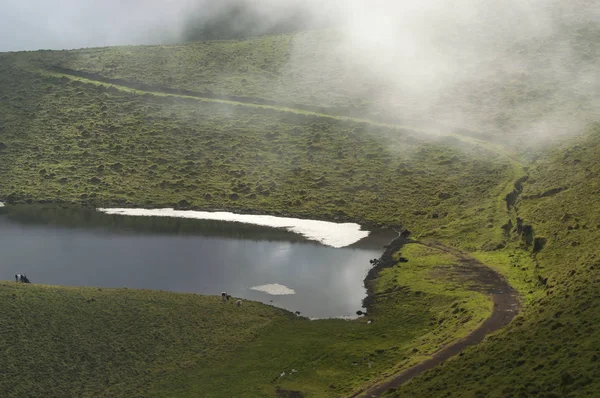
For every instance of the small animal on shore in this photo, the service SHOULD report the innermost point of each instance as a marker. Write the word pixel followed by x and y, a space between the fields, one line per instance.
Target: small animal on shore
pixel 225 296
pixel 238 303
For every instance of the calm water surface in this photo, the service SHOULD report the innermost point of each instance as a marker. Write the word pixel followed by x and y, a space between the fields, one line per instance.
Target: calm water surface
pixel 86 248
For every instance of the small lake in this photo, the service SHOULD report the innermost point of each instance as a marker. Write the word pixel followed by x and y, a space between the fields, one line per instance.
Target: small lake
pixel 83 247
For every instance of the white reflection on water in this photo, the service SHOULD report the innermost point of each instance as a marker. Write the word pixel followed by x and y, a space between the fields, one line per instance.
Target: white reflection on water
pixel 326 232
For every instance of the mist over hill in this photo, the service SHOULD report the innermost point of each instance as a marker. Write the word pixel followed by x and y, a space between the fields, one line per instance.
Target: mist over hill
pixel 238 19
pixel 68 24
pixel 523 72
pixel 524 69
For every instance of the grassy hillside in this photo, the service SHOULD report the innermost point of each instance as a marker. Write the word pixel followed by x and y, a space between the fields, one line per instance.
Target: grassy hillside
pixel 505 88
pixel 59 341
pixel 552 349
pixel 82 142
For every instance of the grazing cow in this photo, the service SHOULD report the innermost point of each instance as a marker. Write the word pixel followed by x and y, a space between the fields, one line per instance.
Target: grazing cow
pixel 225 296
pixel 238 303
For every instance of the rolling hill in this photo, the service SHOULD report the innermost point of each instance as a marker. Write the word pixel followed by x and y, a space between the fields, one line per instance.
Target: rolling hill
pixel 273 125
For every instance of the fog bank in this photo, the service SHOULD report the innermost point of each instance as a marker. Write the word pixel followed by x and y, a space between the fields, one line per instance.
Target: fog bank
pixel 524 68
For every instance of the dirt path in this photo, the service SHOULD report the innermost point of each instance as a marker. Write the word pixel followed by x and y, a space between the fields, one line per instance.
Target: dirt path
pixel 484 279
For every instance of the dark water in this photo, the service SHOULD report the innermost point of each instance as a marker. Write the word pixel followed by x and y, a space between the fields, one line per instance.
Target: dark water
pixel 79 247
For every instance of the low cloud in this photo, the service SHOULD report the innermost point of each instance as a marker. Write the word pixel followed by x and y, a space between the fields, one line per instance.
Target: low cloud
pixel 528 68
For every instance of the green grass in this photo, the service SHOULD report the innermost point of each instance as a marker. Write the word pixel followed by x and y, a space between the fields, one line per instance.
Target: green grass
pixel 59 341
pixel 518 267
pixel 88 144
pixel 552 348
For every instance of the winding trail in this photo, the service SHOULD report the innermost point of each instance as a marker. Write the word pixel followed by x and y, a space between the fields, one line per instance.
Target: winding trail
pixel 481 278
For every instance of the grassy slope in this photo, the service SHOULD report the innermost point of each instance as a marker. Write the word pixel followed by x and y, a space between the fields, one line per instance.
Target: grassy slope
pixel 92 342
pixel 333 357
pixel 84 144
pixel 552 349
pixel 507 88
pixel 59 341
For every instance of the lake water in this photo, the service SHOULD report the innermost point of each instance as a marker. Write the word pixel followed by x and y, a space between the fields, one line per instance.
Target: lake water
pixel 77 247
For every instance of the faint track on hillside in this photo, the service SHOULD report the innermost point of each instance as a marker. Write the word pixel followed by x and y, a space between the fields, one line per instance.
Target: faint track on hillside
pixel 486 280
pixel 144 89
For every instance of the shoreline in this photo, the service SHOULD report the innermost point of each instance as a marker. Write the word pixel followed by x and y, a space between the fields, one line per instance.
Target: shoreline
pixel 367 237
pixel 340 217
pixel 386 260
pixel 504 297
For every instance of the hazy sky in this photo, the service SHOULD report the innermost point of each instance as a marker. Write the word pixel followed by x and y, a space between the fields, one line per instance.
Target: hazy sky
pixel 68 24
pixel 59 24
